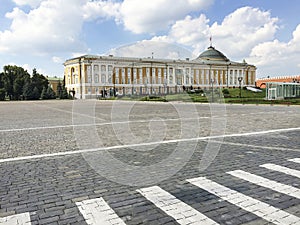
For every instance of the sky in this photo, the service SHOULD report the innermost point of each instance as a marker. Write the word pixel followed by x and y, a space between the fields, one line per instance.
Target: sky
pixel 43 34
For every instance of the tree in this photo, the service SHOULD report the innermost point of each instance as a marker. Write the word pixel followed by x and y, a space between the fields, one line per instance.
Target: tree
pixel 64 91
pixel 14 78
pixel 31 92
pixel 39 81
pixel 2 94
pixel 59 90
pixel 28 91
pixel 16 83
pixel 2 89
pixel 50 93
pixel 44 94
pixel 36 94
pixel 65 94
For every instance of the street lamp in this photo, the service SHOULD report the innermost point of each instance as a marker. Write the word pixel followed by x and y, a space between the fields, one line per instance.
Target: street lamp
pixel 240 83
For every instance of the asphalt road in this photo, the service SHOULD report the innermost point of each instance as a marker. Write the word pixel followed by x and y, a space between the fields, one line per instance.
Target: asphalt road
pixel 116 162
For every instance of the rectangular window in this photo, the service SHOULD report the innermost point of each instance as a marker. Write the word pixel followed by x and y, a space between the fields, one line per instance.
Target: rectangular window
pixel 187 71
pixel 89 71
pixel 187 80
pixel 96 78
pixel 103 79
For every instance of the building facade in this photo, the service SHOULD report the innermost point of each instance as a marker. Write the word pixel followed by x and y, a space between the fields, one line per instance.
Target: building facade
pixel 91 76
pixel 53 82
pixel 280 90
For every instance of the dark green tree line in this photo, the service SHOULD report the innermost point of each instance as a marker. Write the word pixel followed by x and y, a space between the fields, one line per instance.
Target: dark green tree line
pixel 62 92
pixel 17 84
pixel 13 79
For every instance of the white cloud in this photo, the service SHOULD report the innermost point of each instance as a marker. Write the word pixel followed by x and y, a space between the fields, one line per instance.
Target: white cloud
pixel 48 28
pixel 197 29
pixel 93 10
pixel 239 32
pixel 247 33
pixel 54 27
pixel 151 48
pixel 29 68
pixel 155 15
pixel 32 3
pixel 57 59
pixel 244 29
pixel 192 32
pixel 277 56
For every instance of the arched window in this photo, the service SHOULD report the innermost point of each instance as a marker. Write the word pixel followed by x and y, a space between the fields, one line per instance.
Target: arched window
pixel 73 74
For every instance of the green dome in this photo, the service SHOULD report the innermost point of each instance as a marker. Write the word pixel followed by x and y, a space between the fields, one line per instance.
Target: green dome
pixel 212 54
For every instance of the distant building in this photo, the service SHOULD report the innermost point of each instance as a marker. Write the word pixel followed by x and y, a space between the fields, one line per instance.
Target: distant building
pixel 91 76
pixel 53 82
pixel 262 83
pixel 280 90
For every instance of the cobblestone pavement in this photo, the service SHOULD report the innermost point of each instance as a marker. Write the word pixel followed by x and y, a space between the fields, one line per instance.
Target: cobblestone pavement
pixel 207 164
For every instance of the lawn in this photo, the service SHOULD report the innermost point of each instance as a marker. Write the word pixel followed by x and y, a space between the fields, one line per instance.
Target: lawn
pixel 230 96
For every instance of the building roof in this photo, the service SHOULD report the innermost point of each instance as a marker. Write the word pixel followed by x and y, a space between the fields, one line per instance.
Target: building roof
pixel 212 54
pixel 54 78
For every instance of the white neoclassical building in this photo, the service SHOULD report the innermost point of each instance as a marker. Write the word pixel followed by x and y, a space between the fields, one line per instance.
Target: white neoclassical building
pixel 91 76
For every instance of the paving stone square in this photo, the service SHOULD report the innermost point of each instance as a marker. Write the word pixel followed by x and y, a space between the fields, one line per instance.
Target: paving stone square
pixel 86 162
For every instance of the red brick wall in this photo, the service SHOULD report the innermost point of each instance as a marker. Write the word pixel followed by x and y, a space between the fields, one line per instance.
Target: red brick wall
pixel 287 79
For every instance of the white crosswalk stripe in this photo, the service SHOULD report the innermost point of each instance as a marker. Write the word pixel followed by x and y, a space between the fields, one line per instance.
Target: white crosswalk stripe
pixel 97 212
pixel 180 211
pixel 261 209
pixel 264 182
pixel 18 219
pixel 296 160
pixel 282 169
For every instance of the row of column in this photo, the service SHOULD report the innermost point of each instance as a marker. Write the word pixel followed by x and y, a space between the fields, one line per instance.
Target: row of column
pixel 168 76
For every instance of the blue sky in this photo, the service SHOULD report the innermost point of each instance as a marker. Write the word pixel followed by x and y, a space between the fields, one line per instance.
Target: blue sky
pixel 42 34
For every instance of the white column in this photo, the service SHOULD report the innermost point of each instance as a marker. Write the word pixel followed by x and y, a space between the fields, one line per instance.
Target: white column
pixel 106 73
pixel 92 74
pixel 174 78
pixel 233 77
pixel 168 75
